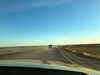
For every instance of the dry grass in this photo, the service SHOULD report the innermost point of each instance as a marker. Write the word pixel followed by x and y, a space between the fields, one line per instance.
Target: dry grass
pixel 91 50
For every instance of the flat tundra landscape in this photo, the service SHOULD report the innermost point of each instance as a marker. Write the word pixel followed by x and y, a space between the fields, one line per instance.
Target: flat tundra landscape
pixel 84 55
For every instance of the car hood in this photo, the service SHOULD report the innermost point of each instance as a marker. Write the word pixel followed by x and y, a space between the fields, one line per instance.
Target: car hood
pixel 49 65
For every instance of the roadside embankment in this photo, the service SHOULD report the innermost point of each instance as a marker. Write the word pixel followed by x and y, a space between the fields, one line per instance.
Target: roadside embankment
pixel 90 50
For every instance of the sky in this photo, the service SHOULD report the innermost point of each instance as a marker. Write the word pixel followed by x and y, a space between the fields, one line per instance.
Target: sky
pixel 44 22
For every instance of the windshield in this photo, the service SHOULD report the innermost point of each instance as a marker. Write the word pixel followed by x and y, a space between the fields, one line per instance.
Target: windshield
pixel 71 27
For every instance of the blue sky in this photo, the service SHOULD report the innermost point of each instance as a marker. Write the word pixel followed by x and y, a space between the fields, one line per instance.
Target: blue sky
pixel 43 22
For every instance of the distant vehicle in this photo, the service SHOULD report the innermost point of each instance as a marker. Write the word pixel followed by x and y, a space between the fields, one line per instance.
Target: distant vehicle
pixel 50 46
pixel 58 46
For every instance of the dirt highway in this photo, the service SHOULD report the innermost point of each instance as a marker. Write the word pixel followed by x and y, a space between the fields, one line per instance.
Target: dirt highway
pixel 45 54
pixel 42 54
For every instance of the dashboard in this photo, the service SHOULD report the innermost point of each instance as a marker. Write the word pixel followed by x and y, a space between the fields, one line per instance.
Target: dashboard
pixel 35 71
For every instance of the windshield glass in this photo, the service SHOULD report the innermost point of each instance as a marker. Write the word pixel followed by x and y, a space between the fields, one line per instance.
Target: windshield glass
pixel 71 27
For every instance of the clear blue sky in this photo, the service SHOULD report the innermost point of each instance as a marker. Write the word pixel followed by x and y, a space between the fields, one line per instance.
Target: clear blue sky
pixel 43 22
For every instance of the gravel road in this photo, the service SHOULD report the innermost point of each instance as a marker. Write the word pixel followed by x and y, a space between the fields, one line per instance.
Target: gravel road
pixel 45 54
pixel 39 54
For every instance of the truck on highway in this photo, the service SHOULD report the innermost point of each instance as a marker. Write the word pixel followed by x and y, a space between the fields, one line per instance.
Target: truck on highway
pixel 50 46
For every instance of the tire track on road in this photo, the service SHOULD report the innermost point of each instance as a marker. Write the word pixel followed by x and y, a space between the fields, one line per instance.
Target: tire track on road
pixel 66 57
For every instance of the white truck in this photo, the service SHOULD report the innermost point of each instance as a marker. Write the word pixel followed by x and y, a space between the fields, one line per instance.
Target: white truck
pixel 50 46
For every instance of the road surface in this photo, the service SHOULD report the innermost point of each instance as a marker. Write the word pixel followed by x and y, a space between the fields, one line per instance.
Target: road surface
pixel 45 54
